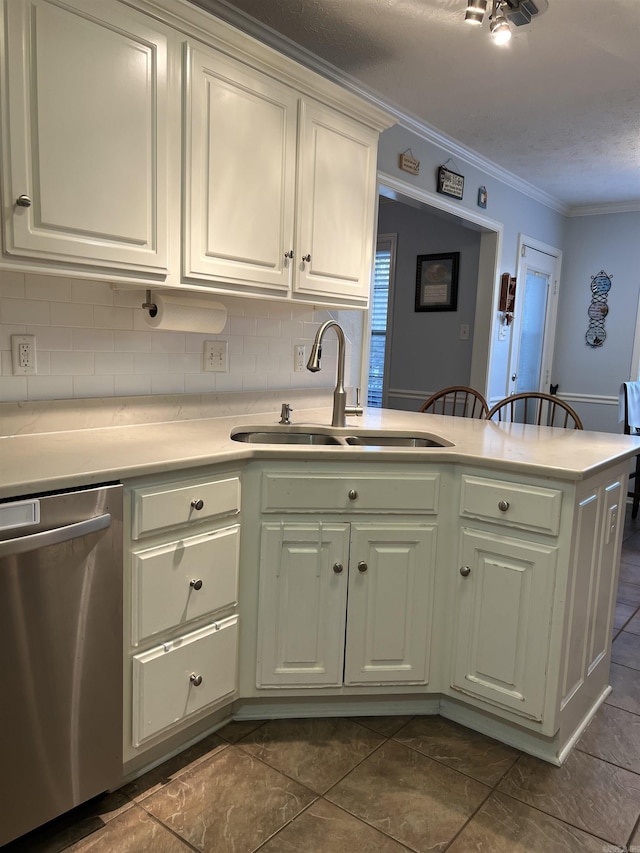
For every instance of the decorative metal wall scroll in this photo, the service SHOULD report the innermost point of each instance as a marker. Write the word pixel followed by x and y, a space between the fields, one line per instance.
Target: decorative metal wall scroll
pixel 598 310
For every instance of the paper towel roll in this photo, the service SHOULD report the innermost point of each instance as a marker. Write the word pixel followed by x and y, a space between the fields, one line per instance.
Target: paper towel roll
pixel 186 314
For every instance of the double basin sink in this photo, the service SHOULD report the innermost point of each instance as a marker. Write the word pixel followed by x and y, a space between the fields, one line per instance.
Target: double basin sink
pixel 332 436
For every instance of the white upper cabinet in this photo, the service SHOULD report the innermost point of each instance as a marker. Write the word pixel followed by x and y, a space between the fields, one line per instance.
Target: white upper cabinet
pixel 86 162
pixel 335 205
pixel 240 174
pixel 259 152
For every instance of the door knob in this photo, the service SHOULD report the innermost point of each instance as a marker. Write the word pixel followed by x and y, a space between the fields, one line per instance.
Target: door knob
pixel 465 571
pixel 353 495
pixel 23 201
pixel 289 254
pixel 197 503
pixel 196 680
pixel 306 258
pixel 338 568
pixel 196 584
pixel 503 506
pixel 362 566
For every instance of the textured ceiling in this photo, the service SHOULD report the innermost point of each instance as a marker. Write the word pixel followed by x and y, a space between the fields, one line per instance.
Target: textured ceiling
pixel 559 106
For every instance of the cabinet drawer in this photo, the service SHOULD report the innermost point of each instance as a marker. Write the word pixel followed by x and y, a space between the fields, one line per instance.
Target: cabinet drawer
pixel 164 692
pixel 511 504
pixel 351 493
pixel 173 504
pixel 184 580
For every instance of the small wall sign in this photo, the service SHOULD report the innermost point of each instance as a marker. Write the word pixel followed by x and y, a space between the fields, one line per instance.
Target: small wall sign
pixel 408 163
pixel 482 197
pixel 450 183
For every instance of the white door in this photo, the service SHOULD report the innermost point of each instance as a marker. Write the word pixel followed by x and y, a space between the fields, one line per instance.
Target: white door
pixel 335 205
pixel 87 194
pixel 302 604
pixel 241 143
pixel 390 612
pixel 534 320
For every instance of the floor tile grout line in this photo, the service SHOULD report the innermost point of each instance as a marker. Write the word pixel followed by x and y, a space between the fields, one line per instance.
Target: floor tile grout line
pixel 177 835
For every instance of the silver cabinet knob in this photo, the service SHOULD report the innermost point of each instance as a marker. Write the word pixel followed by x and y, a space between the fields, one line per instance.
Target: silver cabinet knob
pixel 465 571
pixel 353 495
pixel 306 258
pixel 289 254
pixel 23 201
pixel 338 568
pixel 196 584
pixel 503 506
pixel 196 680
pixel 197 503
pixel 362 566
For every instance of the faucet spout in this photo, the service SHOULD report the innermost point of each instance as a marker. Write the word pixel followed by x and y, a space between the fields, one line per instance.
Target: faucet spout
pixel 340 408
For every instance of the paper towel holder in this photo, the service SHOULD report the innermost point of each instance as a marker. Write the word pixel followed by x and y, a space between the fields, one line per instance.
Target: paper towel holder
pixel 149 305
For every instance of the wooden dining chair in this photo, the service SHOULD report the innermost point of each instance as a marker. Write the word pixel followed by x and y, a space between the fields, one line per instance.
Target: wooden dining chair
pixel 631 428
pixel 535 407
pixel 459 400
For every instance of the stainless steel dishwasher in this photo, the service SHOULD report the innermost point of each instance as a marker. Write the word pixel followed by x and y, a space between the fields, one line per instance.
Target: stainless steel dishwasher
pixel 60 653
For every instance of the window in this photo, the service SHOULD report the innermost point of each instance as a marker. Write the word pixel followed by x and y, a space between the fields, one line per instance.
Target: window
pixel 383 275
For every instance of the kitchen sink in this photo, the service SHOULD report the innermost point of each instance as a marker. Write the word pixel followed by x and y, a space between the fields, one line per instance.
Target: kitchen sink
pixel 391 440
pixel 329 437
pixel 285 437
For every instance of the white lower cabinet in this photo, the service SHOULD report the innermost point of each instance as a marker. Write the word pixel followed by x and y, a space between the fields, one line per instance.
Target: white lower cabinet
pixel 175 680
pixel 181 601
pixel 345 603
pixel 504 602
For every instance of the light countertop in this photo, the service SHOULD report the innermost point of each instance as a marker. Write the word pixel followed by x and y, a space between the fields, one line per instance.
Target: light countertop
pixel 32 463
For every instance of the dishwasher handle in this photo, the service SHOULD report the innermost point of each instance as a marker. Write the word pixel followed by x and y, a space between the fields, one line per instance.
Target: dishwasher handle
pixel 22 544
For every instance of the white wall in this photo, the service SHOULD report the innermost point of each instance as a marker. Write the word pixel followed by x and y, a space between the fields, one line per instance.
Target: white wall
pixel 91 341
pixel 426 352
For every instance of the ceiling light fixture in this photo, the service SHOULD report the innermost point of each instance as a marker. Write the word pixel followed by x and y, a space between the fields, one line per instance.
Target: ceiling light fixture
pixel 503 14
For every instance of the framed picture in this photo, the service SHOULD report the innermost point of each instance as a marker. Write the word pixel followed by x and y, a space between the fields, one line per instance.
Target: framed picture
pixel 437 282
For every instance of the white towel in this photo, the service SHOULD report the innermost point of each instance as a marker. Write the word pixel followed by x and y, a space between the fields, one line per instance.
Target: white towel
pixel 633 404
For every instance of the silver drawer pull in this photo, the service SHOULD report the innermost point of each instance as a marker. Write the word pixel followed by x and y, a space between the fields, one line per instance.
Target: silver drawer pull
pixel 196 680
pixel 353 495
pixel 503 506
pixel 362 566
pixel 465 571
pixel 338 568
pixel 197 503
pixel 196 584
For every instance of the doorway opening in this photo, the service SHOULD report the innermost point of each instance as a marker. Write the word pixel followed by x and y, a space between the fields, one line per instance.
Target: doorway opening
pixel 384 271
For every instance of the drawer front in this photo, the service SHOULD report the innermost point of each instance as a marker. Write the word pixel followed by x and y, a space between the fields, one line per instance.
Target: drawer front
pixel 173 504
pixel 184 580
pixel 511 504
pixel 350 493
pixel 164 692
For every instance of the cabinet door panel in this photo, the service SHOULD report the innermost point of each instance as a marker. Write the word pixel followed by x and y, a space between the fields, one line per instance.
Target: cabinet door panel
pixel 502 632
pixel 76 73
pixel 302 603
pixel 390 603
pixel 335 205
pixel 242 129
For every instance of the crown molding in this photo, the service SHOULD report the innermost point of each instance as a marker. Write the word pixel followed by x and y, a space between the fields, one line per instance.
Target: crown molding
pixel 600 209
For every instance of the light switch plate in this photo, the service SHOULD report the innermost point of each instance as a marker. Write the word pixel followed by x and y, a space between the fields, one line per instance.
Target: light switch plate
pixel 215 356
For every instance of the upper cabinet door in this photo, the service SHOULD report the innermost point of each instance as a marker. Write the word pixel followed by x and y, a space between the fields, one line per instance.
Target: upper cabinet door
pixel 240 182
pixel 86 145
pixel 336 204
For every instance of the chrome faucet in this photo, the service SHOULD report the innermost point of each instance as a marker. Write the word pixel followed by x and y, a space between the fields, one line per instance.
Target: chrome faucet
pixel 340 408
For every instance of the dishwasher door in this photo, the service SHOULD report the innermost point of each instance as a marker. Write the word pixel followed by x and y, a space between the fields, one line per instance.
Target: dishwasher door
pixel 60 654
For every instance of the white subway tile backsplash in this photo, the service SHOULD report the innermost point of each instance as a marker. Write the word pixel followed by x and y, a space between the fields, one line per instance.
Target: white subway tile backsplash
pixel 91 340
pixel 93 386
pixel 71 363
pixel 112 318
pixel 33 311
pixel 47 287
pixel 71 314
pixel 114 362
pixel 96 340
pixel 132 385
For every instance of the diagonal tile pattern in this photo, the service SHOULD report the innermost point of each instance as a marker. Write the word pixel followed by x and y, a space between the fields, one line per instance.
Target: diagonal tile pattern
pixel 383 784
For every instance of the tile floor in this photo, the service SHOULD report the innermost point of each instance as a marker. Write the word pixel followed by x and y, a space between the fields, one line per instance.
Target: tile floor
pixel 384 785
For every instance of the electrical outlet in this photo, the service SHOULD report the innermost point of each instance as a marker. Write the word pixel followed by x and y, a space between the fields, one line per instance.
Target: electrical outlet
pixel 299 357
pixel 215 356
pixel 23 354
pixel 464 332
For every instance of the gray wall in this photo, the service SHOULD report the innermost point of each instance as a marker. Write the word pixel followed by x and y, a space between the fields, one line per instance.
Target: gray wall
pixel 593 375
pixel 426 352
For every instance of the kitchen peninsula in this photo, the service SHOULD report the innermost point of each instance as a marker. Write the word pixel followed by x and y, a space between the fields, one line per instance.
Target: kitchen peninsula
pixel 475 580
